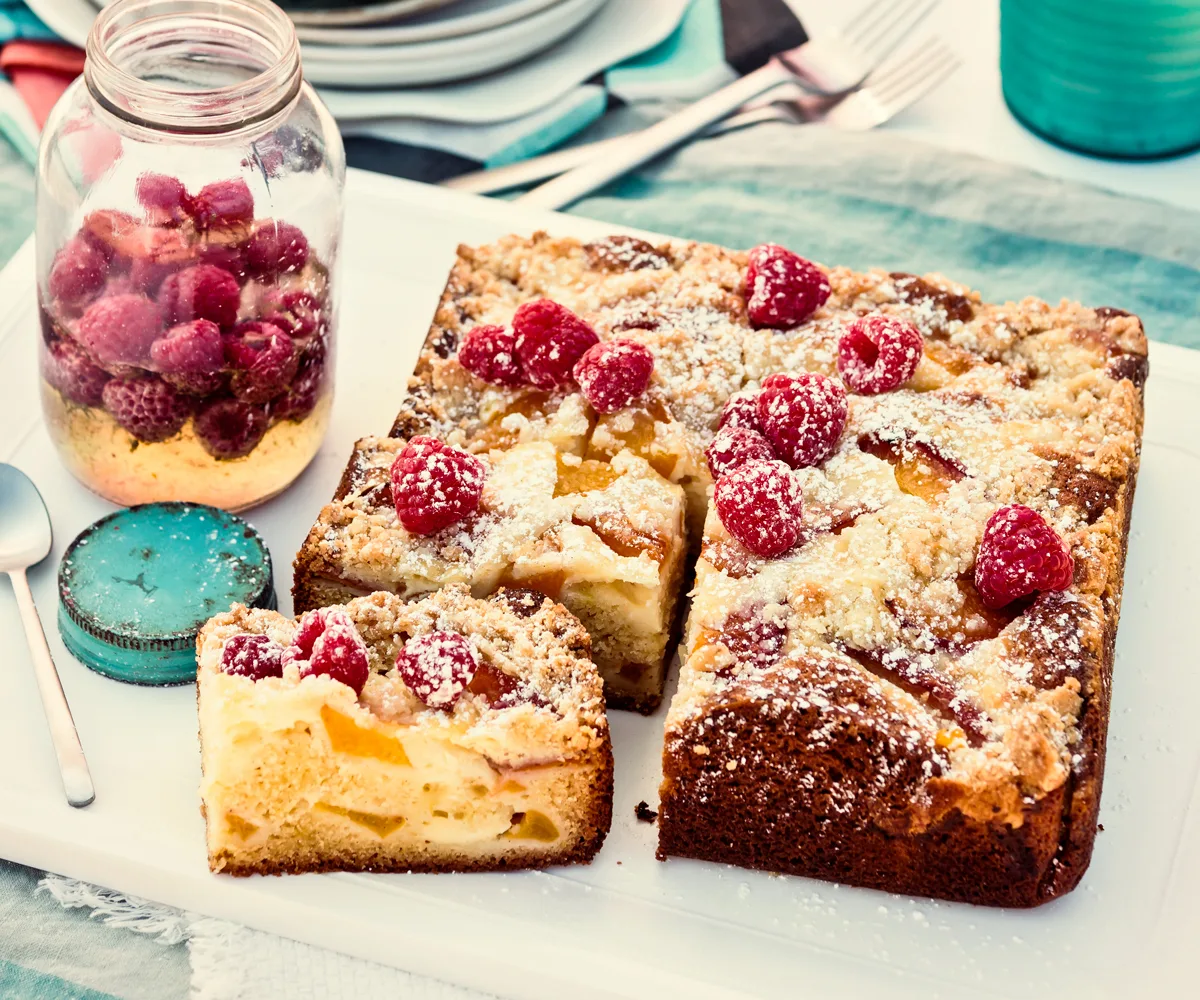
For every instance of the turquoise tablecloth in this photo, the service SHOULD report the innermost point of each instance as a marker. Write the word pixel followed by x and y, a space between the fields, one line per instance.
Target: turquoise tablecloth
pixel 856 199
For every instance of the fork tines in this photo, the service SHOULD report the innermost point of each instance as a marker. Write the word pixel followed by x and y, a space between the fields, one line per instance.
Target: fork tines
pixel 881 25
pixel 905 78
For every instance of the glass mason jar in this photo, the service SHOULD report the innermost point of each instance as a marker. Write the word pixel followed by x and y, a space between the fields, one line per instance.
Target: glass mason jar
pixel 189 211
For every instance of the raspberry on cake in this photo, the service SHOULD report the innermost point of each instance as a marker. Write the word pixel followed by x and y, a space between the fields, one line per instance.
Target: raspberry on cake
pixel 613 374
pixel 435 486
pixel 490 353
pixel 760 504
pixel 549 340
pixel 448 734
pixel 782 289
pixel 605 538
pixel 733 446
pixel 879 353
pixel 802 415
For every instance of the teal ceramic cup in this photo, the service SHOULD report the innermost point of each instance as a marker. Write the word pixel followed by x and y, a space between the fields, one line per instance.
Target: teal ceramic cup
pixel 1116 78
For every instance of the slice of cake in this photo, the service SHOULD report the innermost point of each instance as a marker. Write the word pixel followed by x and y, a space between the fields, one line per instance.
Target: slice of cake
pixel 446 734
pixel 681 301
pixel 605 538
pixel 900 648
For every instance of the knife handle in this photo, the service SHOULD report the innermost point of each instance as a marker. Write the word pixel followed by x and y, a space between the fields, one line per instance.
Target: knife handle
pixel 634 150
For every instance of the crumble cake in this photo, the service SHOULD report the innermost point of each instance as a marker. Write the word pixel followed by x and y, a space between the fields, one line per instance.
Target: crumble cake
pixel 898 658
pixel 603 537
pixel 913 695
pixel 446 734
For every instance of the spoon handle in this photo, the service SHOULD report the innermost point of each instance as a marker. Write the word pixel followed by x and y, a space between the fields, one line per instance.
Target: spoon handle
pixel 76 779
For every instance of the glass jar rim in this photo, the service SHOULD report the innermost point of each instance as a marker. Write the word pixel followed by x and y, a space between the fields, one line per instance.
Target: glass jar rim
pixel 263 32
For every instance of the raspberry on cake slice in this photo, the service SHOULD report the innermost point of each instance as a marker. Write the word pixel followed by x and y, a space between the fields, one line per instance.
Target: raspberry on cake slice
pixel 447 734
pixel 606 538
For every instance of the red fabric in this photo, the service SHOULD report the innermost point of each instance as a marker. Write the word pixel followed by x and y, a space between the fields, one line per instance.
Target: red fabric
pixel 40 72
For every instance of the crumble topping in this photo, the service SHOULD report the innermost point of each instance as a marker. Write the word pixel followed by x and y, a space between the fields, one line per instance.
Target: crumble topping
pixel 557 704
pixel 524 523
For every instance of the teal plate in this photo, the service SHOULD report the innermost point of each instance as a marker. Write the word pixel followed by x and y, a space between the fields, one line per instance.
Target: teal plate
pixel 135 587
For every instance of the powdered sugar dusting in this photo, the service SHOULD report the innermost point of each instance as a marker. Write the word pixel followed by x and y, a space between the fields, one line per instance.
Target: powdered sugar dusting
pixel 893 509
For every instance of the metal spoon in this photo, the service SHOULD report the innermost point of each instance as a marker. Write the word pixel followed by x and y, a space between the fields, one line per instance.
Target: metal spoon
pixel 25 541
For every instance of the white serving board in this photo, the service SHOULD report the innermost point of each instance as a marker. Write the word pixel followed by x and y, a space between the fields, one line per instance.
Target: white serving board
pixel 627 926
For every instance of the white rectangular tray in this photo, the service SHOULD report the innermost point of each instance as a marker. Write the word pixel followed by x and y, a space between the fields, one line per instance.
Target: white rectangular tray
pixel 627 926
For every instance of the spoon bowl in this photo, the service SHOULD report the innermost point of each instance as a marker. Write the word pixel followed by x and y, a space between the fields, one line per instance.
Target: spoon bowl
pixel 25 534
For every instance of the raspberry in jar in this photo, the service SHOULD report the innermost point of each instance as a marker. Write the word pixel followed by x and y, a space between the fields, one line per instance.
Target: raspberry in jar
pixel 186 284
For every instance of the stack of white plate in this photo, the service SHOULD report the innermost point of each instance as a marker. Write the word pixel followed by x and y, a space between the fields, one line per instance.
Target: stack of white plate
pixel 408 43
pixel 397 43
pixel 497 60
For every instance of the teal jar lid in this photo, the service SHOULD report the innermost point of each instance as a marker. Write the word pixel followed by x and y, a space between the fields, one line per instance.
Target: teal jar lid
pixel 135 587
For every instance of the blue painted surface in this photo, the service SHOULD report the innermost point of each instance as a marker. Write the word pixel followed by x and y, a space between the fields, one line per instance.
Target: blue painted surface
pixel 135 586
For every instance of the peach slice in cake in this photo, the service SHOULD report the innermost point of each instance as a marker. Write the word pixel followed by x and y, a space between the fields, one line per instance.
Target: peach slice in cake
pixel 606 538
pixel 446 734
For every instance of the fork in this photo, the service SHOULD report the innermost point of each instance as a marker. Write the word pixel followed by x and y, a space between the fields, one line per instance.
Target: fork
pixel 898 83
pixel 820 66
pixel 837 62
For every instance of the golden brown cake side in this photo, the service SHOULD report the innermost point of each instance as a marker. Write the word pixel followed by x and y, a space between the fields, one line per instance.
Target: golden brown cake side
pixel 768 776
pixel 300 774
